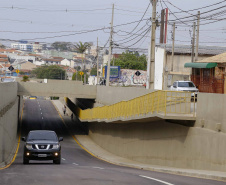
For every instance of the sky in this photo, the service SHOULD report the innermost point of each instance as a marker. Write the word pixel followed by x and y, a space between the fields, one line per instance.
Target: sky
pixel 48 21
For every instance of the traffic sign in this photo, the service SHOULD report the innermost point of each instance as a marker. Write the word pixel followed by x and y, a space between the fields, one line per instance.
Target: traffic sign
pixel 81 73
pixel 138 73
pixel 17 71
pixel 11 68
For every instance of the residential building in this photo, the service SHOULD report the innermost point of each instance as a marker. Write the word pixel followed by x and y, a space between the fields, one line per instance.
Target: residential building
pixel 168 70
pixel 209 74
pixel 22 46
pixel 37 46
pixel 66 62
pixel 55 53
pixel 69 72
pixel 29 58
pixel 4 59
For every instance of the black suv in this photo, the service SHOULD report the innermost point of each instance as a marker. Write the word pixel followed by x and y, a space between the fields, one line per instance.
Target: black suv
pixel 42 145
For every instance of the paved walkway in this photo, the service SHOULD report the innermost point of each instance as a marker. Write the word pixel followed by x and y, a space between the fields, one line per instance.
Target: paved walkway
pixel 100 153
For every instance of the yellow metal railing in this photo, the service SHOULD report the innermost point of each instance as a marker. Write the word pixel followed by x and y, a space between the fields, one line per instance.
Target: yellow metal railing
pixel 159 102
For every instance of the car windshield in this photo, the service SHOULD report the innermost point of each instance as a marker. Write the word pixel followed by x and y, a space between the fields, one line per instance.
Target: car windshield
pixel 185 84
pixel 42 136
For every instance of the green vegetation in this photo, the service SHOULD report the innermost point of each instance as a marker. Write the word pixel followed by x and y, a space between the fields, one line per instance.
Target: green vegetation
pixel 81 48
pixel 22 73
pixel 49 72
pixel 62 46
pixel 131 60
pixel 79 77
pixel 93 72
pixel 25 79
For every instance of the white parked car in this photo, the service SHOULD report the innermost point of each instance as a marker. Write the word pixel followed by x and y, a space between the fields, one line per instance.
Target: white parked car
pixel 188 86
pixel 7 80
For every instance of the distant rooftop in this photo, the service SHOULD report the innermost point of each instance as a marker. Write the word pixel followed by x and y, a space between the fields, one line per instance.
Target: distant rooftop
pixel 186 49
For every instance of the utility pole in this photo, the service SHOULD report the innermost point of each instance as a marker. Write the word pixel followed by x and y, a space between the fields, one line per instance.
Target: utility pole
pixel 197 37
pixel 110 49
pixel 193 43
pixel 97 62
pixel 162 27
pixel 173 38
pixel 151 70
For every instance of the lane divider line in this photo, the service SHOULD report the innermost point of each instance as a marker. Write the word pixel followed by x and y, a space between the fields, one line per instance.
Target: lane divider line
pixel 75 164
pixel 80 144
pixel 98 168
pixel 167 183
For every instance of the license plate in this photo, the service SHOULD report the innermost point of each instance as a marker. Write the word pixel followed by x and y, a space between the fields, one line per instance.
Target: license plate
pixel 42 155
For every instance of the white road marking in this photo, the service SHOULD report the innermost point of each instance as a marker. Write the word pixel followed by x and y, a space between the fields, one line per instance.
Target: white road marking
pixel 42 117
pixel 63 159
pixel 41 112
pixel 40 109
pixel 99 168
pixel 156 180
pixel 75 164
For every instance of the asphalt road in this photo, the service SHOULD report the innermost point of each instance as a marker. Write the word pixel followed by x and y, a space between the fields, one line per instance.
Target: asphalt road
pixel 77 167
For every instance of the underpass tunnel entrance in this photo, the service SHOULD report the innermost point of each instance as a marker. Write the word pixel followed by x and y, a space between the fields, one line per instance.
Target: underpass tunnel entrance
pixel 74 106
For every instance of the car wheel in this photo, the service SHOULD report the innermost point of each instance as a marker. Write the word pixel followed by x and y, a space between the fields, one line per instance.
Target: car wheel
pixel 26 161
pixel 57 161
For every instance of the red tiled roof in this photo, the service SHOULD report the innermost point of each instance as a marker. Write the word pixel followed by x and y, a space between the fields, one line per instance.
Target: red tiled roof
pixel 58 58
pixel 5 65
pixel 3 56
pixel 35 55
pixel 4 60
pixel 9 50
pixel 52 60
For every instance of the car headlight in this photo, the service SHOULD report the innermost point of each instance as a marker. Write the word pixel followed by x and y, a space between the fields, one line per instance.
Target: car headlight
pixel 29 146
pixel 56 146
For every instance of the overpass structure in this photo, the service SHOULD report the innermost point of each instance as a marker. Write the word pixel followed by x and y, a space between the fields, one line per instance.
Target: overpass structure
pixel 158 104
pixel 149 134
pixel 57 88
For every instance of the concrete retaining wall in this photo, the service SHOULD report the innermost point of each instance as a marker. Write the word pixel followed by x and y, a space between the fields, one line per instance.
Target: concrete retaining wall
pixel 111 95
pixel 60 88
pixel 163 143
pixel 8 121
pixel 211 112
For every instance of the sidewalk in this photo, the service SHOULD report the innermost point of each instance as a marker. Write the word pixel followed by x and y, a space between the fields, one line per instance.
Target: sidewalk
pixel 102 154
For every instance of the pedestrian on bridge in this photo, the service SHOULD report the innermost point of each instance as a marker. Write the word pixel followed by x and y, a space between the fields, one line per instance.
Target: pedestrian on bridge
pixel 64 109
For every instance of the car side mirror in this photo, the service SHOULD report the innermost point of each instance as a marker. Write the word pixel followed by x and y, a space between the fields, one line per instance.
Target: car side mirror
pixel 23 138
pixel 61 139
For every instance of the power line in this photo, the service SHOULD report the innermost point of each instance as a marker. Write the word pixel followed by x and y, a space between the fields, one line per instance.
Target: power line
pixel 186 11
pixel 145 31
pixel 141 18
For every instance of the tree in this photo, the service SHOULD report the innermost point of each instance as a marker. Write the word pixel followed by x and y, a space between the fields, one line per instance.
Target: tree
pixel 81 48
pixel 62 46
pixel 131 60
pixel 2 46
pixel 49 72
pixel 93 71
pixel 22 73
pixel 79 77
pixel 25 78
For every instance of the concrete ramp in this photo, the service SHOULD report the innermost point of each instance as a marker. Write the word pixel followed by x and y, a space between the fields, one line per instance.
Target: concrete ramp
pixel 158 104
